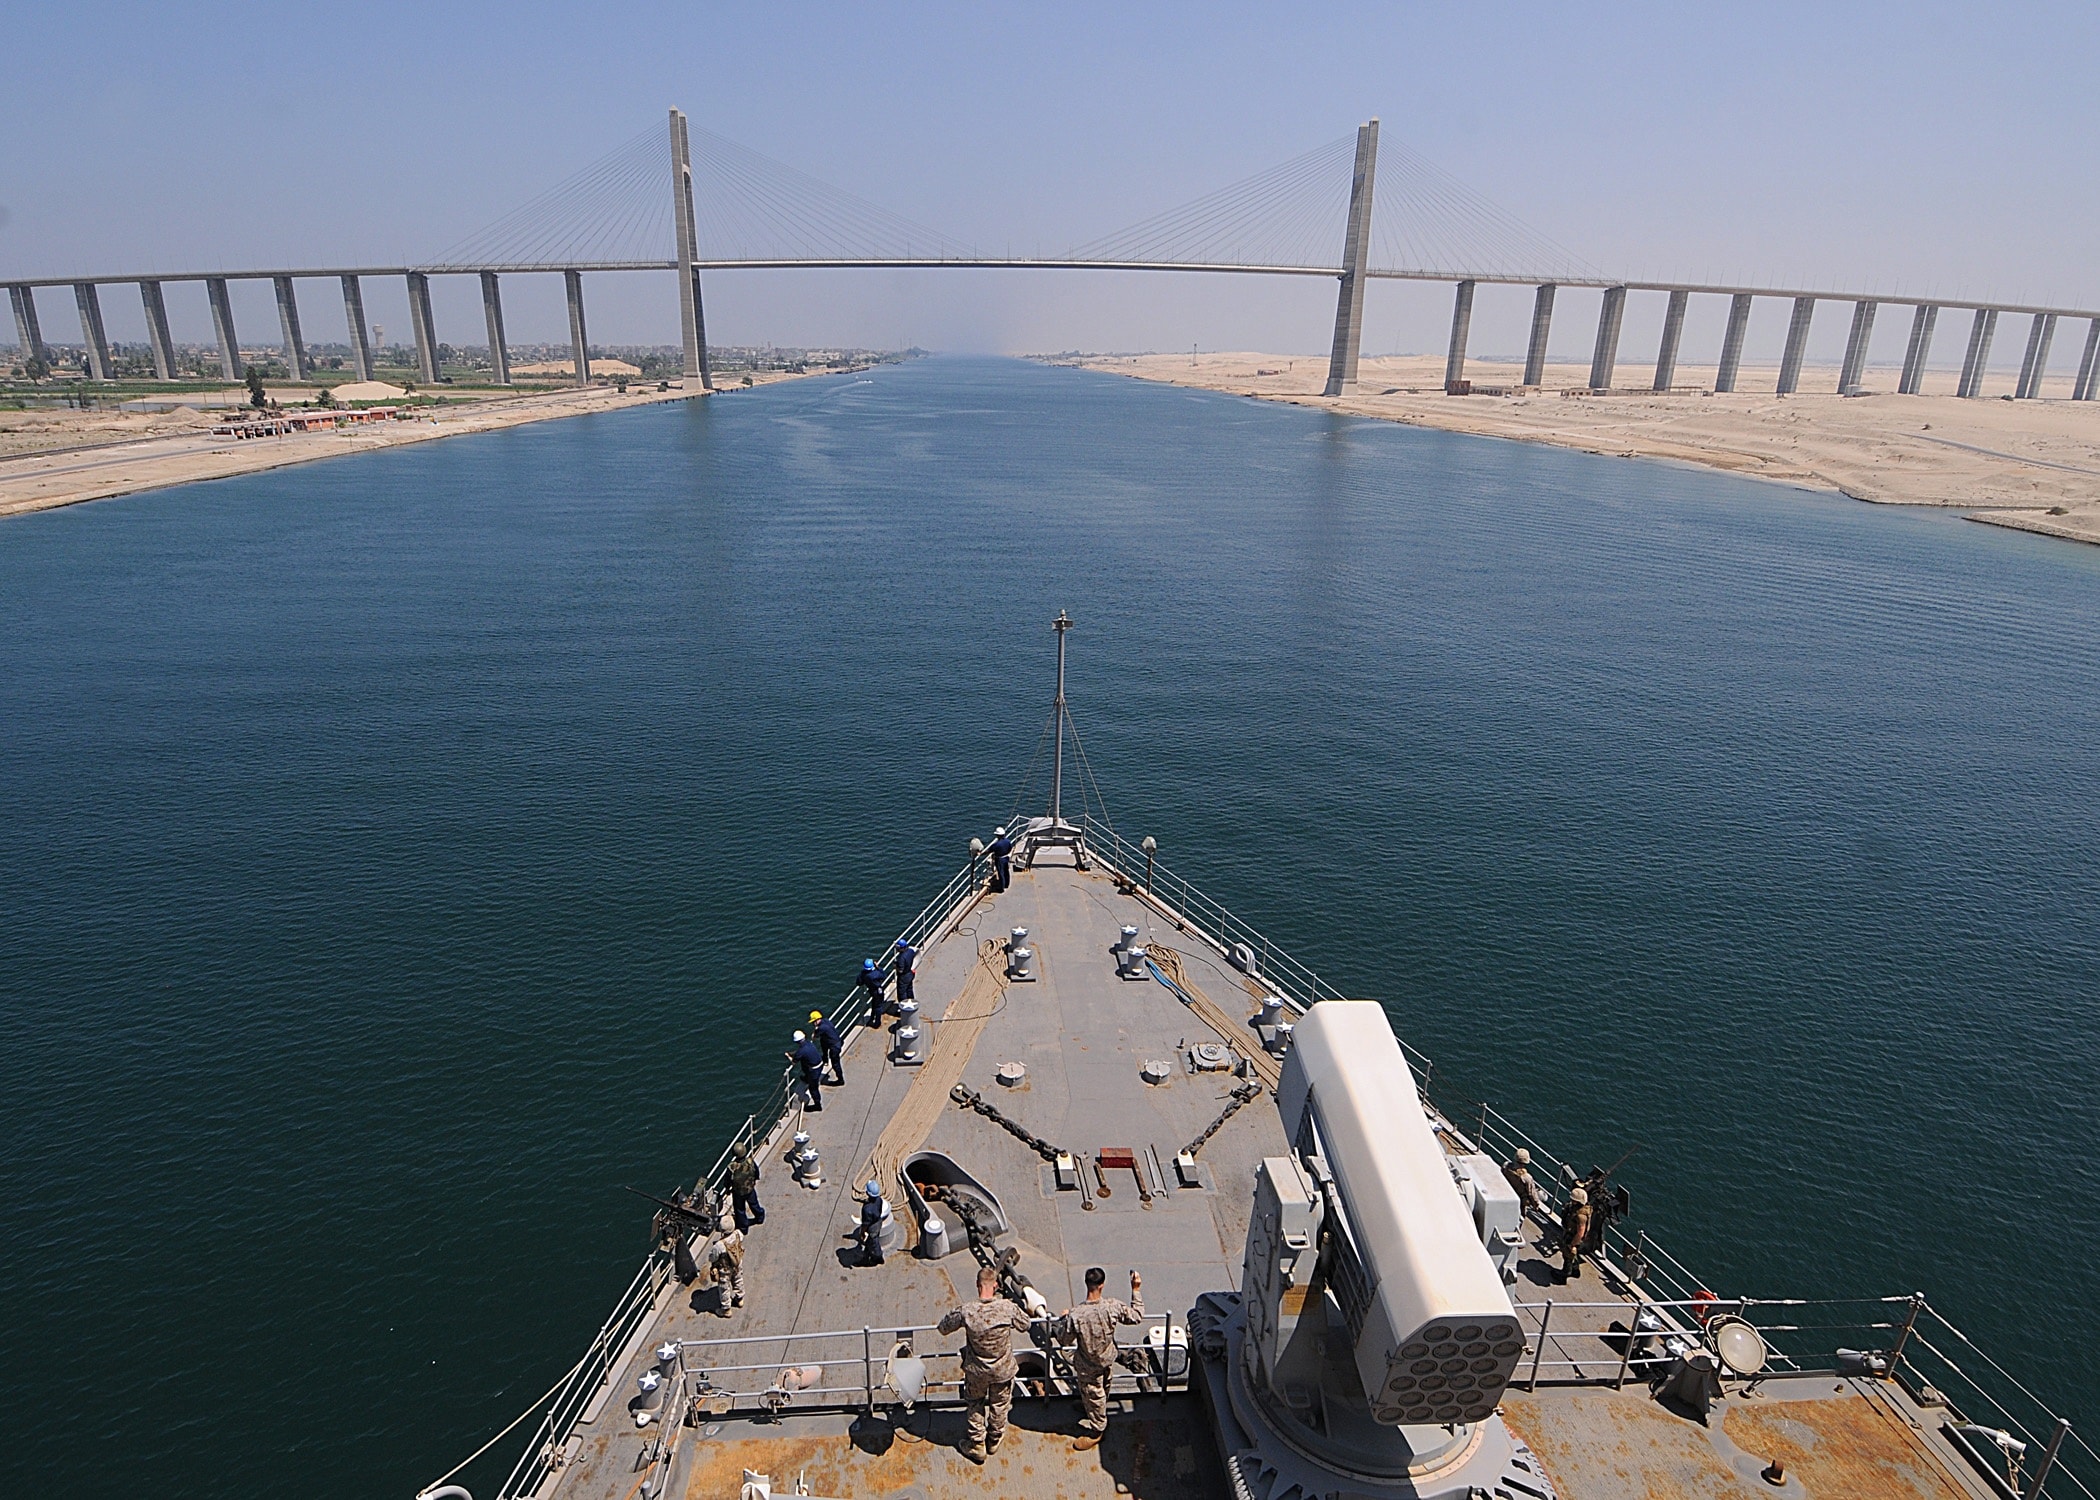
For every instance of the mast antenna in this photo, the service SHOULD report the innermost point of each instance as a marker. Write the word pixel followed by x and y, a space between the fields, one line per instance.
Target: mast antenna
pixel 1061 624
pixel 1053 832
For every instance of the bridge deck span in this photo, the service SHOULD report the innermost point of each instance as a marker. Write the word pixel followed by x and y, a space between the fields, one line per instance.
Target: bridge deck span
pixel 1034 263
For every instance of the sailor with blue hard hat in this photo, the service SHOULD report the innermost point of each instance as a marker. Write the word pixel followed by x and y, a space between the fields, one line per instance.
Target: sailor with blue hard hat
pixel 871 980
pixel 906 965
pixel 872 1210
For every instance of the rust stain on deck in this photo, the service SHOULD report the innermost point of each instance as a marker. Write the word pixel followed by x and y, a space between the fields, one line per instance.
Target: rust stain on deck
pixel 1842 1447
pixel 1167 1458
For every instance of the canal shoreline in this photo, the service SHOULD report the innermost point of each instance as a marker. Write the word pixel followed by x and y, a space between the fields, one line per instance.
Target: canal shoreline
pixel 48 479
pixel 2027 465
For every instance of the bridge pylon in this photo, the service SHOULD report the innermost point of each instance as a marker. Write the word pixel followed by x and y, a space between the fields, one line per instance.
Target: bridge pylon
pixel 692 315
pixel 1356 263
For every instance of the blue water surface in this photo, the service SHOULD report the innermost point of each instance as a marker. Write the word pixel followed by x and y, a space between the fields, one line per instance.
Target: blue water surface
pixel 400 854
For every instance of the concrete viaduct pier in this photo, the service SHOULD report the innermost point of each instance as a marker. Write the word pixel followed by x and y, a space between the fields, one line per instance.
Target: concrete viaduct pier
pixel 1920 348
pixel 1672 336
pixel 1604 352
pixel 1541 325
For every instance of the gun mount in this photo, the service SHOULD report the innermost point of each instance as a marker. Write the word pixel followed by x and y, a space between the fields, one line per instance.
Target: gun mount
pixel 1373 1336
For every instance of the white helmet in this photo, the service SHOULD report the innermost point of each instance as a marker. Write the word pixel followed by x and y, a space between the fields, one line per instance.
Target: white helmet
pixel 800 1037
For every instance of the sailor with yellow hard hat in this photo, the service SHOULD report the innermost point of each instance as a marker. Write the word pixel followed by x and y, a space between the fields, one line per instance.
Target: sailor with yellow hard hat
pixel 828 1038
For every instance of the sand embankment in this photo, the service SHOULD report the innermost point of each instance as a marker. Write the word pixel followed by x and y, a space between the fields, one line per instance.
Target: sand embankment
pixel 2034 465
pixel 65 457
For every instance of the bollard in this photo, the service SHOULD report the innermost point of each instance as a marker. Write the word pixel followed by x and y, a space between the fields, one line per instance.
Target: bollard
pixel 906 1054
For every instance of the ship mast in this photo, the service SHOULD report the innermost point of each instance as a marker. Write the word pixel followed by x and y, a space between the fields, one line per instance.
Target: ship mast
pixel 1061 624
pixel 1052 831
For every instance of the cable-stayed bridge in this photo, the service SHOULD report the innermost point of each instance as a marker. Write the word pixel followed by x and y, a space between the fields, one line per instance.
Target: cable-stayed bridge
pixel 1341 211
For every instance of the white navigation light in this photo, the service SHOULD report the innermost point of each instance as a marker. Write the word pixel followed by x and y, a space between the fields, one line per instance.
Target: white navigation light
pixel 907 1375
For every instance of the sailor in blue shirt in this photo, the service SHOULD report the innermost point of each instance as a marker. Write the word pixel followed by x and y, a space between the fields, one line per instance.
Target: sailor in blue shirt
pixel 905 964
pixel 871 980
pixel 871 1211
pixel 1002 861
pixel 827 1037
pixel 809 1061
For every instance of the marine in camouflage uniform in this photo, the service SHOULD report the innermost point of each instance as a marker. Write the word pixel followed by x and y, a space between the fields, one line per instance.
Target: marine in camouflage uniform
pixel 725 1259
pixel 1517 1170
pixel 1092 1327
pixel 989 1364
pixel 743 1188
pixel 1574 1230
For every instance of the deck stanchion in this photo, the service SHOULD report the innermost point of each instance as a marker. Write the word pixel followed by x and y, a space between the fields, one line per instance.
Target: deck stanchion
pixel 1538 1354
pixel 1910 1321
pixel 867 1368
pixel 1626 1354
pixel 2041 1475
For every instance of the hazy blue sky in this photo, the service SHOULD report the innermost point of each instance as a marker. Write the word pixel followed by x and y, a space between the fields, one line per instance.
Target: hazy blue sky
pixel 1904 147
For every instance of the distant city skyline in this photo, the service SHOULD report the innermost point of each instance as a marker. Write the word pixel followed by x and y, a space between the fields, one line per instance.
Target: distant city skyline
pixel 1921 150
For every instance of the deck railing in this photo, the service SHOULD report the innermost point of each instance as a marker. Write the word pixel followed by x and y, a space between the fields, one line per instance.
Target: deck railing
pixel 607 1355
pixel 1298 985
pixel 1921 1344
pixel 589 1381
pixel 853 1366
pixel 1924 1350
pixel 1801 1335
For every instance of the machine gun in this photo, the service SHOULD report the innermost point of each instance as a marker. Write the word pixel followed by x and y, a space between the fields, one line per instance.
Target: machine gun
pixel 1608 1204
pixel 681 1215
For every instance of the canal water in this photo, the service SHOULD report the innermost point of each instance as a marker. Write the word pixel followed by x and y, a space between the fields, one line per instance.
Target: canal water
pixel 401 854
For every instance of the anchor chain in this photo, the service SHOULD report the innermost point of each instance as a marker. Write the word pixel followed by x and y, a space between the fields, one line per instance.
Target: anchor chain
pixel 1246 1093
pixel 969 1098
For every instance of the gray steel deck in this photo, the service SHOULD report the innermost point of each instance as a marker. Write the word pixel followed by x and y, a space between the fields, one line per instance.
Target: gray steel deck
pixel 1084 1034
